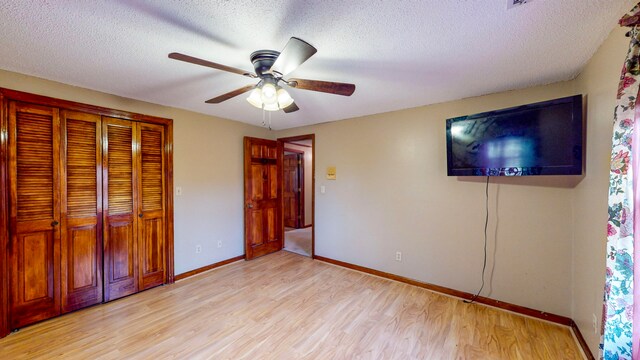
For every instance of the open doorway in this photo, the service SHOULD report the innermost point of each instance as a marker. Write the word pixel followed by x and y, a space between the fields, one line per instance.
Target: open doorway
pixel 298 194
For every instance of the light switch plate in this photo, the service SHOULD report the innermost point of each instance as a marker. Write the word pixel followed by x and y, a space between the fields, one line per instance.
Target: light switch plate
pixel 178 190
pixel 322 189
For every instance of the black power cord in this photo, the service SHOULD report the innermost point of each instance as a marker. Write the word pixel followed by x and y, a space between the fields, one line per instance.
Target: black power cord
pixel 486 223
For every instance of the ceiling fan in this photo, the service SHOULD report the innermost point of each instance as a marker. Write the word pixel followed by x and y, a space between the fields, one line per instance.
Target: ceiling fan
pixel 271 67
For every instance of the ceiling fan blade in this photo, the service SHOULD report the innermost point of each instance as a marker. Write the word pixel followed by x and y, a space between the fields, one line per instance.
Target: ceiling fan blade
pixel 293 55
pixel 323 86
pixel 194 60
pixel 231 94
pixel 291 108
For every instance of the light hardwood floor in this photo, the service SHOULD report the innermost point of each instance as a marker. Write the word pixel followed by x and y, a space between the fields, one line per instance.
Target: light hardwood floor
pixel 308 310
pixel 298 241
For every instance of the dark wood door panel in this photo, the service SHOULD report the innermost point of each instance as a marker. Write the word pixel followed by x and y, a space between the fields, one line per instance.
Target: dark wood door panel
pixel 263 197
pixel 152 261
pixel 256 181
pixel 121 275
pixel 35 267
pixel 290 191
pixel 35 294
pixel 82 257
pixel 255 224
pixel 34 176
pixel 271 227
pixel 272 184
pixel 81 242
pixel 119 207
pixel 82 273
pixel 151 212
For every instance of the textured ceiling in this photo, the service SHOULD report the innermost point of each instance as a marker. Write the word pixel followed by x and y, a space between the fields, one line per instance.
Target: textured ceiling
pixel 400 54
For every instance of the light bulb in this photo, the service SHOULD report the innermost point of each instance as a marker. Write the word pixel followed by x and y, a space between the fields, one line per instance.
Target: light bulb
pixel 269 94
pixel 255 98
pixel 284 99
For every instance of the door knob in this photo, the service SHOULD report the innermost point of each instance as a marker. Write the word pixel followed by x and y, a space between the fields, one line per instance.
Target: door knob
pixel 54 223
pixel 250 206
pixel 140 216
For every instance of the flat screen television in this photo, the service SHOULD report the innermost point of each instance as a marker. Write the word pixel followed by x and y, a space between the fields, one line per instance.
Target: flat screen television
pixel 537 139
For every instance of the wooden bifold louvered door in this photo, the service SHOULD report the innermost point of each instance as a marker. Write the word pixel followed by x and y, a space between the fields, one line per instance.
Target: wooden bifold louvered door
pixel 34 247
pixel 81 200
pixel 151 200
pixel 120 245
pixel 133 166
pixel 88 212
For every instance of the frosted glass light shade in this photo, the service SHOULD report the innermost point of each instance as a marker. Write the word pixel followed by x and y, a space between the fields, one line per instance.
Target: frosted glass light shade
pixel 255 98
pixel 270 98
pixel 284 99
pixel 269 94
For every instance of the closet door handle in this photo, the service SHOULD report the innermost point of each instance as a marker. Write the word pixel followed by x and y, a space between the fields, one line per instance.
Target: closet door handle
pixel 54 223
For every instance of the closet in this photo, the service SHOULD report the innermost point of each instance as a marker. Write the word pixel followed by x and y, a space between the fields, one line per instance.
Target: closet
pixel 86 206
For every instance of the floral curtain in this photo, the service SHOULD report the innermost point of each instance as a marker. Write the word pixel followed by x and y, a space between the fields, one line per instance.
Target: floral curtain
pixel 618 312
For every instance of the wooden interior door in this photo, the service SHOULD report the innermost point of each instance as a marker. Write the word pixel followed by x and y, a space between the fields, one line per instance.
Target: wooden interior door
pixel 34 248
pixel 263 196
pixel 119 207
pixel 291 190
pixel 151 222
pixel 81 201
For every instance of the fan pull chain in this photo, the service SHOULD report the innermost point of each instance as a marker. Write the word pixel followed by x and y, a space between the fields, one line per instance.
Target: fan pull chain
pixel 264 120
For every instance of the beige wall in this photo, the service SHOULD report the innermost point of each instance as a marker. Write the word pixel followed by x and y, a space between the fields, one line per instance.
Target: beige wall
pixel 308 177
pixel 546 234
pixel 207 165
pixel 392 194
pixel 599 82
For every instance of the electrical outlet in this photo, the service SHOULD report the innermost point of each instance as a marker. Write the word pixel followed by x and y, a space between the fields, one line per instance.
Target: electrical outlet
pixel 219 243
pixel 198 249
pixel 398 256
pixel 595 324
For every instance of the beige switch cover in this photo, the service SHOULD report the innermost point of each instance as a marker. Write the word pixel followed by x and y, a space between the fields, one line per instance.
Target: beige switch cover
pixel 331 173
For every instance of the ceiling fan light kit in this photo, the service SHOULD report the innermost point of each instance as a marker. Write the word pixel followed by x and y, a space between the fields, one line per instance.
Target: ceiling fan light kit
pixel 270 97
pixel 270 67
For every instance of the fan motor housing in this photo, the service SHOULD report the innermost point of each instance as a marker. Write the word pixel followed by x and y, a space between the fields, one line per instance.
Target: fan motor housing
pixel 263 60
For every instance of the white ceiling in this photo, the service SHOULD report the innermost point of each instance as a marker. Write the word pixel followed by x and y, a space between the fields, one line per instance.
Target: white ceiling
pixel 400 54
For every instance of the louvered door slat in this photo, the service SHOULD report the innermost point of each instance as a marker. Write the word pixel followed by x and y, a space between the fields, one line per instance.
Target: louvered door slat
pixel 81 260
pixel 81 172
pixel 120 170
pixel 35 210
pixel 34 166
pixel 151 169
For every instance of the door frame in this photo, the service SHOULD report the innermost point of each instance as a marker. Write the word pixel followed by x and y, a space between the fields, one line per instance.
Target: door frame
pixel 4 225
pixel 301 174
pixel 291 139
